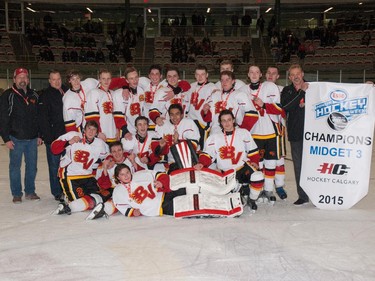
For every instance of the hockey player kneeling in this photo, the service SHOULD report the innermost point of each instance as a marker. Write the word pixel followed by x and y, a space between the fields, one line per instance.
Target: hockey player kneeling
pixel 234 149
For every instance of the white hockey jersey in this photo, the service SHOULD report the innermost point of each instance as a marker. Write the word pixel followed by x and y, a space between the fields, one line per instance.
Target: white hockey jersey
pixel 160 106
pixel 81 158
pixel 140 194
pixel 269 93
pixel 134 107
pixel 73 109
pixel 140 149
pixel 220 101
pixel 186 129
pixel 196 97
pixel 99 107
pixel 230 151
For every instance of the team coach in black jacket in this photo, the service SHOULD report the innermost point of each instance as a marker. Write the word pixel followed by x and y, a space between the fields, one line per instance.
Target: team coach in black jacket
pixel 19 130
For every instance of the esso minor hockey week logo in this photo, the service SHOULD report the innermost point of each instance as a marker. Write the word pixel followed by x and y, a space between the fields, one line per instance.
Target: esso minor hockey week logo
pixel 340 109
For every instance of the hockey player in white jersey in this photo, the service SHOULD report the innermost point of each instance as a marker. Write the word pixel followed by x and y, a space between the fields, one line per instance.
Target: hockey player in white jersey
pixel 74 101
pixel 234 148
pixel 99 108
pixel 147 148
pixel 173 93
pixel 76 172
pixel 266 98
pixel 178 129
pixel 155 83
pixel 272 75
pixel 134 103
pixel 234 100
pixel 197 98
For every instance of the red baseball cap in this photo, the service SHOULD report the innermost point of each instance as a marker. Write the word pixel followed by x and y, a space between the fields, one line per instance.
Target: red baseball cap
pixel 20 71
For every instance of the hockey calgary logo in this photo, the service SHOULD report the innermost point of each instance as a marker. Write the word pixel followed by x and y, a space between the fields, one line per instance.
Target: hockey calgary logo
pixel 333 169
pixel 340 110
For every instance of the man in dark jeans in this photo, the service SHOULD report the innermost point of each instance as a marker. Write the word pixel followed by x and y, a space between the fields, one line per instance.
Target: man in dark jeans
pixel 52 125
pixel 293 102
pixel 19 130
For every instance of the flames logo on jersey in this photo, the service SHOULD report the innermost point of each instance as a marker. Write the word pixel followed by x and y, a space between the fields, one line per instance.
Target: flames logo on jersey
pixel 194 99
pixel 220 106
pixel 149 97
pixel 135 109
pixel 229 152
pixel 141 193
pixel 141 98
pixel 82 156
pixel 107 107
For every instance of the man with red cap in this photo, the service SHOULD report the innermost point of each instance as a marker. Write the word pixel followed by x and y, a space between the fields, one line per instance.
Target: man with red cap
pixel 19 130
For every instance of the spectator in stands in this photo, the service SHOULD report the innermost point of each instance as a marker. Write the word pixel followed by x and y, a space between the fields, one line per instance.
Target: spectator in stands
pixel 246 50
pixel 234 20
pixel 90 55
pixel 113 56
pixel 366 38
pixel 99 56
pixel 140 25
pixel 82 55
pixel 274 41
pixel 65 55
pixel 73 55
pixel 127 54
pixel 88 27
pixel 183 24
pixel 245 22
pixel 165 27
pixel 260 24
pixel 210 23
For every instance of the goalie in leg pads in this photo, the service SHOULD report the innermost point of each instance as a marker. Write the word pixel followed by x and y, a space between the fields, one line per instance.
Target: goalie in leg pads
pixel 234 148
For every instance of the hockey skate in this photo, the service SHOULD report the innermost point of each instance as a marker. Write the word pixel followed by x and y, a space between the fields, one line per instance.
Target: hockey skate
pixel 97 212
pixel 252 204
pixel 281 192
pixel 62 208
pixel 266 197
pixel 270 197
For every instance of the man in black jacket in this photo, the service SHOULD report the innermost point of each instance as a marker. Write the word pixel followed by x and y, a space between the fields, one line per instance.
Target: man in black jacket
pixel 52 125
pixel 293 102
pixel 19 130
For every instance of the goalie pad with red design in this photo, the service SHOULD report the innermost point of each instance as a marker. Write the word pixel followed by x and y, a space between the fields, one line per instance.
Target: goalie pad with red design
pixel 205 181
pixel 207 205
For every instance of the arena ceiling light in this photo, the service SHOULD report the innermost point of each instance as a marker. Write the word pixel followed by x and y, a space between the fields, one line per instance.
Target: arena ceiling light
pixel 360 3
pixel 31 10
pixel 149 10
pixel 269 9
pixel 330 8
pixel 88 9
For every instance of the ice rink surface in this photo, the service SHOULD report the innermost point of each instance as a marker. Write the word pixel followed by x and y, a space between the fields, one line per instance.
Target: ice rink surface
pixel 280 242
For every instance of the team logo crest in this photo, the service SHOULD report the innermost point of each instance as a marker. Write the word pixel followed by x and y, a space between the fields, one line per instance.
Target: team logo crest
pixel 135 109
pixel 108 107
pixel 141 98
pixel 149 97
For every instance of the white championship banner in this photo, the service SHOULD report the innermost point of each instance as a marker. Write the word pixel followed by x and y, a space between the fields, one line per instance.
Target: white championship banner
pixel 338 139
